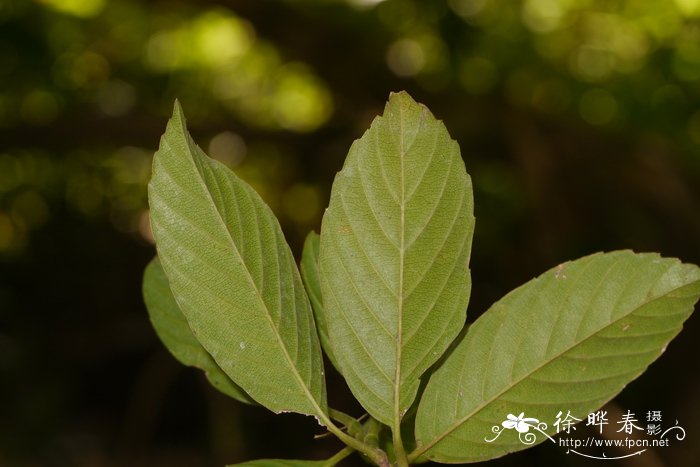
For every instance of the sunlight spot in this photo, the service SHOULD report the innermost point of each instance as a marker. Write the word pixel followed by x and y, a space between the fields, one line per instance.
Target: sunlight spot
pixel 405 57
pixel 593 63
pixel 466 8
pixel 162 51
pixel 144 227
pixel 220 38
pixel 690 8
pixel 80 8
pixel 300 102
pixel 227 147
pixel 115 98
pixel 543 15
pixel 364 3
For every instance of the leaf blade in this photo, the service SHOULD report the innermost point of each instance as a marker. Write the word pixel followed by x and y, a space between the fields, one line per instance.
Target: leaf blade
pixel 310 276
pixel 609 318
pixel 174 332
pixel 395 246
pixel 234 276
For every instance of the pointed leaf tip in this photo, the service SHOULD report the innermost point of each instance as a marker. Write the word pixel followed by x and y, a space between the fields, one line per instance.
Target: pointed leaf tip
pixel 395 247
pixel 234 276
pixel 177 119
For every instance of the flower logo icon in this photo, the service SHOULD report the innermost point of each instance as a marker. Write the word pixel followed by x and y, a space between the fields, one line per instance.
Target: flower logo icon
pixel 520 423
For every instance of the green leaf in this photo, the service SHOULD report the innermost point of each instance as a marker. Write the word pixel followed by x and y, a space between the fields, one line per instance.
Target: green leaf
pixel 172 329
pixel 234 277
pixel 568 341
pixel 310 276
pixel 394 256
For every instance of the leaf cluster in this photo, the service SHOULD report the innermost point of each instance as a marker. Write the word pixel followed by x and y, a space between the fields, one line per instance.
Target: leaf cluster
pixel 383 292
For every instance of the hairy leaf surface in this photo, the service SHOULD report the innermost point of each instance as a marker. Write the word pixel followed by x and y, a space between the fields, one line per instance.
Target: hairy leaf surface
pixel 172 329
pixel 234 277
pixel 394 256
pixel 568 341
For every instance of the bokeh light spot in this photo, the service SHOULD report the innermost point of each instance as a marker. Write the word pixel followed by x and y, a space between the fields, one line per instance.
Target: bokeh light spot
pixel 467 8
pixel 299 103
pixel 364 3
pixel 162 51
pixel 543 15
pixel 220 38
pixel 227 147
pixel 145 227
pixel 80 8
pixel 405 57
pixel 690 8
pixel 593 64
pixel 115 98
pixel 630 45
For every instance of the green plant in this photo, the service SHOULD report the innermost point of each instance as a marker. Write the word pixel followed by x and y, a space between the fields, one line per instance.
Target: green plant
pixel 386 289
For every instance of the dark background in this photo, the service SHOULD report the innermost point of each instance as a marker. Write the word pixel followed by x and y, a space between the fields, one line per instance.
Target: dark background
pixel 579 122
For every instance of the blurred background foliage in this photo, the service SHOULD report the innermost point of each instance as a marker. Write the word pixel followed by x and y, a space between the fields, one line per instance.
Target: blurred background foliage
pixel 579 121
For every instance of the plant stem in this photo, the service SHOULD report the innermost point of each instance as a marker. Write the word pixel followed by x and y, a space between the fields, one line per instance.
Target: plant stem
pixel 376 455
pixel 371 432
pixel 353 426
pixel 399 451
pixel 339 456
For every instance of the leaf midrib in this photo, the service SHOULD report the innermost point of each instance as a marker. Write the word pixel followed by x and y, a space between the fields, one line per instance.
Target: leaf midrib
pixel 202 182
pixel 419 451
pixel 399 330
